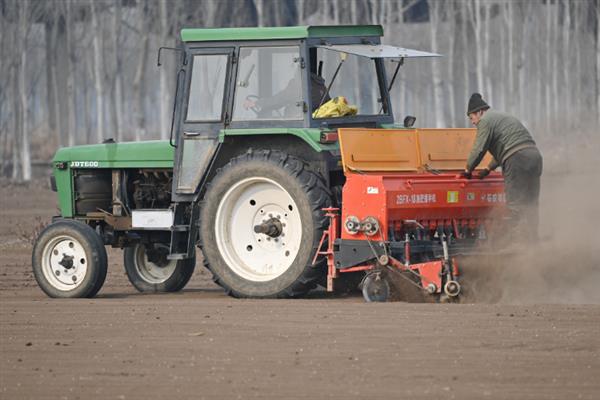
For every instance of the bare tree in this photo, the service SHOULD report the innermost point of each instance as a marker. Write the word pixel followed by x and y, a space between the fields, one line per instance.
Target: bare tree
pixel 118 71
pixel 25 157
pixel 566 53
pixel 474 8
pixel 164 88
pixel 438 101
pixel 70 125
pixel 98 72
pixel 597 40
pixel 139 84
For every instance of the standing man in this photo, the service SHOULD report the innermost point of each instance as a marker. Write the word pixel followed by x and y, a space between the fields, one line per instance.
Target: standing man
pixel 512 147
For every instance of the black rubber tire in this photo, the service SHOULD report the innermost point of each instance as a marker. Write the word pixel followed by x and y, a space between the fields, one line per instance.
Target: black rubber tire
pixel 93 246
pixel 179 278
pixel 311 196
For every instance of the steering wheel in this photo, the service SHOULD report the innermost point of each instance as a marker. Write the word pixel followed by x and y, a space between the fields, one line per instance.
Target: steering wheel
pixel 256 109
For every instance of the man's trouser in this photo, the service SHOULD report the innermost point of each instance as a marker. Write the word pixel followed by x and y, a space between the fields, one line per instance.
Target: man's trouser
pixel 522 172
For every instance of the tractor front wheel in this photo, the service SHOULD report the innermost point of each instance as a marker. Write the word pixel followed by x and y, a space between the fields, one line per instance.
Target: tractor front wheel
pixel 69 260
pixel 260 225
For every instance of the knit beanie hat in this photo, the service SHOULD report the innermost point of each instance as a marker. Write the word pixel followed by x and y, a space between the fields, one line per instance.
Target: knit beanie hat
pixel 476 103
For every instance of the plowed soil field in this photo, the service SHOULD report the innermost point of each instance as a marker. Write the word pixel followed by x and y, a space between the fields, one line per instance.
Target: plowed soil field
pixel 530 333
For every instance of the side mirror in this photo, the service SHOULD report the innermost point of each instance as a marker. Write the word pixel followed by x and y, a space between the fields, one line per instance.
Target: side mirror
pixel 409 121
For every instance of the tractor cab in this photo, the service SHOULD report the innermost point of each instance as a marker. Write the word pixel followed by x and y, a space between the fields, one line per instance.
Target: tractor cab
pixel 293 81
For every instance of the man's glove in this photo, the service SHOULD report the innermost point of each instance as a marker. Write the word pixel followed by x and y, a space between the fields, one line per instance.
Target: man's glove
pixel 465 175
pixel 483 173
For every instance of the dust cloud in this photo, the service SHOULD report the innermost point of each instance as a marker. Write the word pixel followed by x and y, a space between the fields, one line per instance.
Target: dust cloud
pixel 564 266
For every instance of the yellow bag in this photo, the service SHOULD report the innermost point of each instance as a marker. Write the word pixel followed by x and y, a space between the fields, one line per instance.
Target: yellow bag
pixel 336 107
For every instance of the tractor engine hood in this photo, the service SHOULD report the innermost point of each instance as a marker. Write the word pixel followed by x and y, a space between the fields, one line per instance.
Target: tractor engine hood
pixel 151 154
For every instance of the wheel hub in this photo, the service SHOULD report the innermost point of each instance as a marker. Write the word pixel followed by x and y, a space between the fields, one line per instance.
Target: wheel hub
pixel 271 227
pixel 67 261
pixel 64 262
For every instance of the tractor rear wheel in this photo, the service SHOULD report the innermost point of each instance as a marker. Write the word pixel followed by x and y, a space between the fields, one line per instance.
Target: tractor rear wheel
pixel 261 223
pixel 149 271
pixel 69 260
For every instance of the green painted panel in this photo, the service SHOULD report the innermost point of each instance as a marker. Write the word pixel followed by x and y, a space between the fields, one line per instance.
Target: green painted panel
pixel 310 136
pixel 64 187
pixel 129 154
pixel 270 33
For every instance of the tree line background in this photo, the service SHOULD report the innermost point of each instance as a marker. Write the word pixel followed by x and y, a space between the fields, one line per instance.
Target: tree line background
pixel 81 71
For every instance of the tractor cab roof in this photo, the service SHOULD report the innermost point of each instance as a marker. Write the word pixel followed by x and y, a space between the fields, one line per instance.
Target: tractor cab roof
pixel 274 33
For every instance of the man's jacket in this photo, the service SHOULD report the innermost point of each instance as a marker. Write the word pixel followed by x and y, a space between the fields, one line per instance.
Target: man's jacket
pixel 500 134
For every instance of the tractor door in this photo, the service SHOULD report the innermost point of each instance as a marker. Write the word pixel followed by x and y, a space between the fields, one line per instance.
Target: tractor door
pixel 203 113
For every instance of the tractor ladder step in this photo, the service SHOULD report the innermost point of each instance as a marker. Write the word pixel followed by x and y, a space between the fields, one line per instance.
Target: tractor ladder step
pixel 177 256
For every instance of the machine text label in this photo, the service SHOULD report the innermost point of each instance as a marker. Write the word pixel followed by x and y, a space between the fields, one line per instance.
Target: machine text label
pixel 423 198
pixel 493 197
pixel 84 164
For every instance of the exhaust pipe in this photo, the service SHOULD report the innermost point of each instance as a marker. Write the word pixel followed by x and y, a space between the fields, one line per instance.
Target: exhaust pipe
pixel 452 288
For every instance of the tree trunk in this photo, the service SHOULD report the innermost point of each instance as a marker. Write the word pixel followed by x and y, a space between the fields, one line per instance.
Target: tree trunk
pixel 465 46
pixel 25 157
pixel 579 72
pixel 555 58
pixel 49 28
pixel 300 12
pixel 118 80
pixel 597 39
pixel 451 81
pixel 510 27
pixel 259 5
pixel 486 51
pixel 164 88
pixel 522 57
pixel 549 53
pixel 139 84
pixel 71 101
pixel 98 73
pixel 438 106
pixel 475 13
pixel 60 72
pixel 566 59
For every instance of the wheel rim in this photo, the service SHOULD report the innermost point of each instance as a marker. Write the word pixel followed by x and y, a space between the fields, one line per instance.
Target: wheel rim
pixel 257 256
pixel 153 273
pixel 375 288
pixel 64 262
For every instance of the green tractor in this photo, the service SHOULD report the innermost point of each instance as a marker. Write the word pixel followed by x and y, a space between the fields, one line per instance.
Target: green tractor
pixel 252 160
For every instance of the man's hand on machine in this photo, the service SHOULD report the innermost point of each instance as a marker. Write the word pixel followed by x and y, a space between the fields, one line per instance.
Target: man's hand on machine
pixel 483 173
pixel 466 174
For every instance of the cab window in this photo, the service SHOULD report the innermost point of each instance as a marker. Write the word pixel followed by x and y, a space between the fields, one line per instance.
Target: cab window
pixel 356 81
pixel 207 88
pixel 269 84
